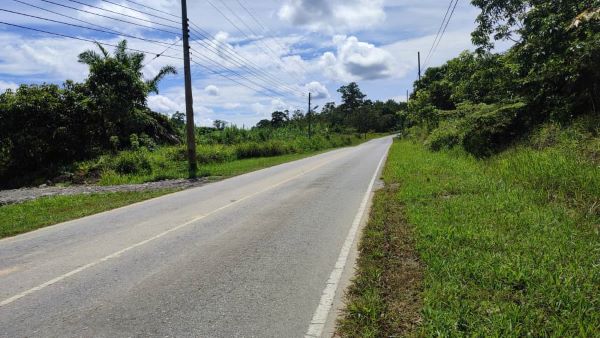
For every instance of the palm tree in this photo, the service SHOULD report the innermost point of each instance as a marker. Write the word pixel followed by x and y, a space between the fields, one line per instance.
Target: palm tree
pixel 131 61
pixel 118 92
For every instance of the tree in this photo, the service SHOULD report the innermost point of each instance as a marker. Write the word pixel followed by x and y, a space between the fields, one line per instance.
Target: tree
pixel 557 60
pixel 220 124
pixel 279 118
pixel 263 124
pixel 118 91
pixel 352 100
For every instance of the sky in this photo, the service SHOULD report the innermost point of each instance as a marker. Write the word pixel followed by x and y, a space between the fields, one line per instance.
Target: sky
pixel 275 52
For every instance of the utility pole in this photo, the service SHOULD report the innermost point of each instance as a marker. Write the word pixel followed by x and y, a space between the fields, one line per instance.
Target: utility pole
pixel 189 100
pixel 407 97
pixel 419 58
pixel 309 115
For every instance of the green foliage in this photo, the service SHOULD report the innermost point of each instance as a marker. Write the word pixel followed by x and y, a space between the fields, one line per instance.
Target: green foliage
pixel 491 128
pixel 131 162
pixel 448 135
pixel 46 128
pixel 507 251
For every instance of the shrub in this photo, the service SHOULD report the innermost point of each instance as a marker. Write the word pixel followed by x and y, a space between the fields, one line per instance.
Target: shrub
pixel 134 141
pixel 492 127
pixel 132 162
pixel 446 136
pixel 214 154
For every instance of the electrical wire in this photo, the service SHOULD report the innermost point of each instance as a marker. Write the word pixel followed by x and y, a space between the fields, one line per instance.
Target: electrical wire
pixel 213 48
pixel 443 32
pixel 437 35
pixel 274 55
pixel 122 14
pixel 236 73
pixel 141 12
pixel 84 27
pixel 154 9
pixel 84 39
pixel 265 29
pixel 112 18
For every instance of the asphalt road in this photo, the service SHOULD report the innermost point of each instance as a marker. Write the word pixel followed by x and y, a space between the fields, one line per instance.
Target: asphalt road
pixel 252 256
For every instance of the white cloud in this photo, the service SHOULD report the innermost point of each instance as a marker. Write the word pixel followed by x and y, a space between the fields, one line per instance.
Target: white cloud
pixel 333 15
pixel 164 104
pixel 318 90
pixel 7 85
pixel 356 60
pixel 212 90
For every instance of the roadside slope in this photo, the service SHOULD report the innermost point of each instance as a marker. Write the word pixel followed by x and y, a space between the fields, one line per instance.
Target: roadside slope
pixel 501 257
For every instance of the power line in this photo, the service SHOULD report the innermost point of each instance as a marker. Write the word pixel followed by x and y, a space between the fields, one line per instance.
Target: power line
pixel 122 14
pixel 248 37
pixel 163 52
pixel 236 73
pixel 84 39
pixel 444 31
pixel 111 18
pixel 437 35
pixel 154 9
pixel 233 54
pixel 265 29
pixel 84 27
pixel 230 78
pixel 141 12
pixel 258 75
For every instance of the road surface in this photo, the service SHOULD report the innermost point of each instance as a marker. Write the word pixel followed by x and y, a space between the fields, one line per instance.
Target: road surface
pixel 258 255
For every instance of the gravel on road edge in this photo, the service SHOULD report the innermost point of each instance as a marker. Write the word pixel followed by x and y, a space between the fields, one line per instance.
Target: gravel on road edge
pixel 28 194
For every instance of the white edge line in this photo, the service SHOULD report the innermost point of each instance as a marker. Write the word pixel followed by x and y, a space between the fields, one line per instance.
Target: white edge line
pixel 317 324
pixel 162 234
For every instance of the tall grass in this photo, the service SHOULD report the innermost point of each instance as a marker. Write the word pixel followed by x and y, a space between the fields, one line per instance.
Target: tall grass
pixel 215 153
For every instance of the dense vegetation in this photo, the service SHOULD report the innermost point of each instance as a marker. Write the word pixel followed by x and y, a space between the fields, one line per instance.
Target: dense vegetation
pixel 103 128
pixel 485 101
pixel 488 223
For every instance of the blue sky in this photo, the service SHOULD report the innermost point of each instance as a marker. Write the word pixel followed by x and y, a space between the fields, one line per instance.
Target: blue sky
pixel 302 45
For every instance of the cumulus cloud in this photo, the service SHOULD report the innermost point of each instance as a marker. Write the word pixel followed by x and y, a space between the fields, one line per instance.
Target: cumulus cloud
pixel 164 104
pixel 355 60
pixel 318 90
pixel 212 90
pixel 333 15
pixel 7 85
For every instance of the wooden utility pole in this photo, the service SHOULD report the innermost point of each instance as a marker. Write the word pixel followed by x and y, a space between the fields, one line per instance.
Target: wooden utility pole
pixel 189 100
pixel 309 115
pixel 407 97
pixel 419 59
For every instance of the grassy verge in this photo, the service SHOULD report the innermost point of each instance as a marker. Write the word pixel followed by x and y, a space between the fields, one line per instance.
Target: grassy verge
pixel 510 247
pixel 143 165
pixel 23 217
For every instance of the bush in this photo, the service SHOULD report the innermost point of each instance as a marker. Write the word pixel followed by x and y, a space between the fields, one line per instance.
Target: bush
pixel 265 149
pixel 214 154
pixel 491 128
pixel 446 136
pixel 132 162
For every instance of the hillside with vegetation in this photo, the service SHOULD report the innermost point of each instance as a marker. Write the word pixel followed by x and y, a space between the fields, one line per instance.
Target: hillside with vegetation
pixel 489 221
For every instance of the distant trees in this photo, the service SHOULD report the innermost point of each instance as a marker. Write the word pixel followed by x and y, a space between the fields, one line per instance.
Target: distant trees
pixel 354 114
pixel 45 127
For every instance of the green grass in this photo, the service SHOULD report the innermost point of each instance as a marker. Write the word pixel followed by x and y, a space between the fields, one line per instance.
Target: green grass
pixel 131 167
pixel 510 245
pixel 27 216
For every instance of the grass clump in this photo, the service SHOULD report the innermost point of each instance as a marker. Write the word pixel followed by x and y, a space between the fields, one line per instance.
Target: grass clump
pixel 27 216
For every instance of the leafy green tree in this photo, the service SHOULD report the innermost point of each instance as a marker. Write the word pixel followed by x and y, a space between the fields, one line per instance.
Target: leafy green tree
pixel 352 100
pixel 556 53
pixel 118 90
pixel 279 119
